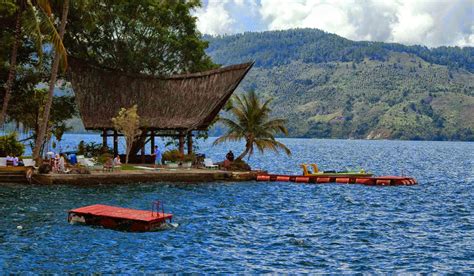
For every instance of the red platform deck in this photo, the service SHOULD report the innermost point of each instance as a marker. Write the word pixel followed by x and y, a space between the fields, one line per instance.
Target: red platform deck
pixel 364 180
pixel 119 218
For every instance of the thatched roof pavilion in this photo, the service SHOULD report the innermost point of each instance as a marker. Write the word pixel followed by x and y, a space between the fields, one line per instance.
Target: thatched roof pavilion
pixel 180 103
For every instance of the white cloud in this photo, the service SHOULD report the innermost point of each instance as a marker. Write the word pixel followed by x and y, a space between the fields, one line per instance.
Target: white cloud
pixel 427 22
pixel 214 18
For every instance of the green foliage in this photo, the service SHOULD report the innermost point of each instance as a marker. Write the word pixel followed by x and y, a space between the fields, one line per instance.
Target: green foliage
pixel 103 158
pixel 172 156
pixel 251 122
pixel 399 96
pixel 27 106
pixel 276 48
pixel 175 156
pixel 9 144
pixel 149 36
pixel 127 122
pixel 92 149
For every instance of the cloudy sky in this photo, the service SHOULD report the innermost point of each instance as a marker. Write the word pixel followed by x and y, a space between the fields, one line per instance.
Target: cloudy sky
pixel 427 22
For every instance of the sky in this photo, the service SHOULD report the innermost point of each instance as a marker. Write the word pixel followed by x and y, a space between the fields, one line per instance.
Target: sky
pixel 425 22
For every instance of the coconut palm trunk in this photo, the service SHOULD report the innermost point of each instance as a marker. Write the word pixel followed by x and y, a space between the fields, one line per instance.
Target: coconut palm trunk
pixel 43 124
pixel 12 70
pixel 245 152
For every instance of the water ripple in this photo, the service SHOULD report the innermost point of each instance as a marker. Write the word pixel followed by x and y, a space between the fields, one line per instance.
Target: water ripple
pixel 264 227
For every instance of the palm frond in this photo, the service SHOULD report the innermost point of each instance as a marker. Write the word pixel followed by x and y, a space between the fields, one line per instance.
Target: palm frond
pixel 45 6
pixel 48 26
pixel 229 137
pixel 32 27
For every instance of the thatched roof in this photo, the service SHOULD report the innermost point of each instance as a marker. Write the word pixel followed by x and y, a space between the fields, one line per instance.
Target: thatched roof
pixel 180 102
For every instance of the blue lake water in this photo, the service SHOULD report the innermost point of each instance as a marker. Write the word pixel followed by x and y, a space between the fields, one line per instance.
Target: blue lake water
pixel 253 227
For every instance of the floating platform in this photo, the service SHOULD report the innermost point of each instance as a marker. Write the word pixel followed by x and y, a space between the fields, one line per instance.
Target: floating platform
pixel 374 180
pixel 118 218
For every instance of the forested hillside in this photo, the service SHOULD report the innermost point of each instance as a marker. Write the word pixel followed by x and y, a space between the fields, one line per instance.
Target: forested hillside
pixel 329 86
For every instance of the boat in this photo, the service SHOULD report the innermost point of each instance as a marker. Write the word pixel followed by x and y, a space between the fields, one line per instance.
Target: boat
pixel 123 219
pixel 316 172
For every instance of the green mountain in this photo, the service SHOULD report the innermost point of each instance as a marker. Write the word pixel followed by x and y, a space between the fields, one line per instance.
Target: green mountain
pixel 331 87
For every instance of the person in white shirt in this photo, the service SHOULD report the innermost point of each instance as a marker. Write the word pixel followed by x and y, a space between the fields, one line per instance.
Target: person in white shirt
pixel 15 161
pixel 62 164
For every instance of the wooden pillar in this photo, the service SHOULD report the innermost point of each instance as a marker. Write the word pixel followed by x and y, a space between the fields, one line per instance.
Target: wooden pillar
pixel 181 142
pixel 190 142
pixel 115 143
pixel 152 140
pixel 104 137
pixel 143 153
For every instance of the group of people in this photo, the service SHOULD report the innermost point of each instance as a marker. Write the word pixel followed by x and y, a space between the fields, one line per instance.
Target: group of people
pixel 58 163
pixel 14 161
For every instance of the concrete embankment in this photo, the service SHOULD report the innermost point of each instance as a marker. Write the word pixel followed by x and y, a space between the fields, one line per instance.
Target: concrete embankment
pixel 136 176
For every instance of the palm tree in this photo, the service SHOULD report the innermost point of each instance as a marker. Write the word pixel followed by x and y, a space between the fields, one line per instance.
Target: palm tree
pixel 251 122
pixel 58 57
pixel 37 19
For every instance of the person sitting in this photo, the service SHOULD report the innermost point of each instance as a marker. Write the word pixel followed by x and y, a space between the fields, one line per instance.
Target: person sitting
pixel 9 160
pixel 15 161
pixel 21 163
pixel 230 156
pixel 116 163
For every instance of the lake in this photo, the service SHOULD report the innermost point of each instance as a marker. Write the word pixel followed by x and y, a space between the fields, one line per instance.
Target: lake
pixel 256 227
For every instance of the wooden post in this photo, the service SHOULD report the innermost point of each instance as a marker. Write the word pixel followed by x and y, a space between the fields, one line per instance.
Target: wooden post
pixel 143 153
pixel 152 140
pixel 190 142
pixel 181 142
pixel 115 143
pixel 104 137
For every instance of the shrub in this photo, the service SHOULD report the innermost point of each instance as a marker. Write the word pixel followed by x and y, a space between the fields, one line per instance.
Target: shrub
pixel 176 156
pixel 101 159
pixel 239 165
pixel 172 156
pixel 92 149
pixel 9 144
pixel 189 158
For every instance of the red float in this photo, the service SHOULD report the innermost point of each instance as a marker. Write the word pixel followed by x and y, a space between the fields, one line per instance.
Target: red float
pixel 121 218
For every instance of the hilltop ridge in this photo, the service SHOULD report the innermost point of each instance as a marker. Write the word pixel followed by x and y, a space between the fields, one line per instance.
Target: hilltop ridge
pixel 331 87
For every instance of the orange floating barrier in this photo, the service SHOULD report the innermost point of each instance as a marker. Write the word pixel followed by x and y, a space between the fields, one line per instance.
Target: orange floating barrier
pixel 323 180
pixel 283 178
pixel 383 182
pixel 302 179
pixel 363 180
pixel 345 180
pixel 263 178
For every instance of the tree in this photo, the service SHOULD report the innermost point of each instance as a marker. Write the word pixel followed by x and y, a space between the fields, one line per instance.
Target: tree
pixel 40 138
pixel 127 122
pixel 251 122
pixel 157 37
pixel 29 105
pixel 37 20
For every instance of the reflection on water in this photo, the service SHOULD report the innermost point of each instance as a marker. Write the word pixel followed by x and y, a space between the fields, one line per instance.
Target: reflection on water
pixel 263 227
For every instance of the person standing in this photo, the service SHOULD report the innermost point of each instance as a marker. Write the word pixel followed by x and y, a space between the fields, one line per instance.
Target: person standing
pixel 157 154
pixel 61 164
